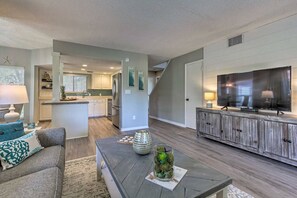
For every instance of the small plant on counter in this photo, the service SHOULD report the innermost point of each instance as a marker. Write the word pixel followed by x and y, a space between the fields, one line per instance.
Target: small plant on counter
pixel 63 95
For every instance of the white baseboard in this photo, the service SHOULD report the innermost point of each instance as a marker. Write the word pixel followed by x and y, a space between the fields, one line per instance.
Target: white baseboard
pixel 169 121
pixel 76 137
pixel 134 128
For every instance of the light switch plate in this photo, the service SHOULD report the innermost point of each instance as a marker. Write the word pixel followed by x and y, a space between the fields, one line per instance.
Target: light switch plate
pixel 127 91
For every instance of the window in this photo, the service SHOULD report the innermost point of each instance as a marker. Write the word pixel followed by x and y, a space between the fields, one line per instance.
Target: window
pixel 75 83
pixel 12 75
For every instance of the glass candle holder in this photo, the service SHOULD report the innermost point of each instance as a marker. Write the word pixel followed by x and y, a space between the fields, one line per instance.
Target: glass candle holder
pixel 163 160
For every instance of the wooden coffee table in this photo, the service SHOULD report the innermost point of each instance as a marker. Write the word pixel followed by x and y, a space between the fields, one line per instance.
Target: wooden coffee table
pixel 124 172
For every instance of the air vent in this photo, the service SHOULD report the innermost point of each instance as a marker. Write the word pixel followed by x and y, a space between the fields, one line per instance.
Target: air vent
pixel 235 40
pixel 90 71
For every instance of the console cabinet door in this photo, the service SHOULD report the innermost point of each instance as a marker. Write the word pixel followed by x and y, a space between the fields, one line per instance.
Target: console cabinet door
pixel 202 122
pixel 215 124
pixel 292 141
pixel 227 128
pixel 240 130
pixel 275 134
pixel 210 123
pixel 248 132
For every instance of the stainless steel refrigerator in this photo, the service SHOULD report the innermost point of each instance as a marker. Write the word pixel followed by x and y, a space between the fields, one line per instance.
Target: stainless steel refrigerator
pixel 116 99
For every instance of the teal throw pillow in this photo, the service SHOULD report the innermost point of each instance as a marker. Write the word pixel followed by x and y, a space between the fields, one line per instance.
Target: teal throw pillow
pixel 13 152
pixel 12 130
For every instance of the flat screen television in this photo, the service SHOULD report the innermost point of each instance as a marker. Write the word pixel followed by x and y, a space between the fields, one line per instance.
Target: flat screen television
pixel 260 89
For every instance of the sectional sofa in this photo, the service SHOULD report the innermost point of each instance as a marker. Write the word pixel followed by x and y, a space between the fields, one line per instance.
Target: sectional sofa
pixel 40 175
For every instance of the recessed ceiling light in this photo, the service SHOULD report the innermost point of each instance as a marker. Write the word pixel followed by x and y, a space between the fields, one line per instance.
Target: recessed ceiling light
pixel 111 67
pixel 104 73
pixel 82 69
pixel 84 65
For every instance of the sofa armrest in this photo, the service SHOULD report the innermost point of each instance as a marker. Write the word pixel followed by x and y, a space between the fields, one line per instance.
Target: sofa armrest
pixel 52 137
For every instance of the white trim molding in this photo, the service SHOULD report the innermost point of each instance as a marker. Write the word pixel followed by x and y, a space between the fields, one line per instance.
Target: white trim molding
pixel 71 138
pixel 134 128
pixel 169 121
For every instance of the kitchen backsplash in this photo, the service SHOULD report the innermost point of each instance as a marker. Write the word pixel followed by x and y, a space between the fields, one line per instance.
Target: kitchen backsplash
pixel 94 92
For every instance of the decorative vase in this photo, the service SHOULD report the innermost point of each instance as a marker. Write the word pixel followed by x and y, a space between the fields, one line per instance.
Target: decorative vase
pixel 142 143
pixel 163 160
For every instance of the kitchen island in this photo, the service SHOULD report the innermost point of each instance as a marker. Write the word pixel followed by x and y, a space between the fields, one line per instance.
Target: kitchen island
pixel 72 115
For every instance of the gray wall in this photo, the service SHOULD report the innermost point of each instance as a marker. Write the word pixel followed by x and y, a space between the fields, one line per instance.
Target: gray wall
pixel 22 58
pixel 167 101
pixel 134 104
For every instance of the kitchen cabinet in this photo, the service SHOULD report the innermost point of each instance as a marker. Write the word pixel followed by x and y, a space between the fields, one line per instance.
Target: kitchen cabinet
pixel 97 108
pixel 101 81
pixel 45 111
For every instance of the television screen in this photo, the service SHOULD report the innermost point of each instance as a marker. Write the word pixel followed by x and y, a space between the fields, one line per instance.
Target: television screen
pixel 261 89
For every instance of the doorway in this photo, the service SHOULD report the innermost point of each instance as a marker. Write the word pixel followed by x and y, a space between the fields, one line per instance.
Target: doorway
pixel 193 91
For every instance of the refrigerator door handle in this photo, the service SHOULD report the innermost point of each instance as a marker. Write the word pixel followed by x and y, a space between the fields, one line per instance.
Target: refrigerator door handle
pixel 116 108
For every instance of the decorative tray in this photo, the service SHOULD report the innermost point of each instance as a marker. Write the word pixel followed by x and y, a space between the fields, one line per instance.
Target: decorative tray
pixel 126 140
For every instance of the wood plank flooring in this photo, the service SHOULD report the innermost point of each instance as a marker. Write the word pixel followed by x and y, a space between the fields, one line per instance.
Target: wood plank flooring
pixel 257 175
pixel 83 147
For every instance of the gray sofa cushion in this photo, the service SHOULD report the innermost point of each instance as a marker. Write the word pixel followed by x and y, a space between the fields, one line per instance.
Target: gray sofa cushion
pixel 52 137
pixel 53 156
pixel 46 184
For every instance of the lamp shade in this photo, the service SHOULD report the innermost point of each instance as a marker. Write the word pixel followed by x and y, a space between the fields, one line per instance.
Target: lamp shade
pixel 267 94
pixel 13 94
pixel 209 95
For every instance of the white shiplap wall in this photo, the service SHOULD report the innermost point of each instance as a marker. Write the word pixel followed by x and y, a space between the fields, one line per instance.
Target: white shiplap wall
pixel 272 45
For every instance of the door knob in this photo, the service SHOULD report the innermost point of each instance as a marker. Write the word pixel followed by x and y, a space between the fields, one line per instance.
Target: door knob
pixel 187 99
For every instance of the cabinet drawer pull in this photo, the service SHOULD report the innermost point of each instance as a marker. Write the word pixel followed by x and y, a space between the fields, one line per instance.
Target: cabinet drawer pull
pixel 289 141
pixel 222 131
pixel 285 140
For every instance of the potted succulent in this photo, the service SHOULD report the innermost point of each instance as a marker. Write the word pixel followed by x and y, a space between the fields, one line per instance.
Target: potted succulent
pixel 163 160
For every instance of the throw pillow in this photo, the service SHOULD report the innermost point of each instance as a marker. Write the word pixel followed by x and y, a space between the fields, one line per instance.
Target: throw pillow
pixel 13 152
pixel 12 130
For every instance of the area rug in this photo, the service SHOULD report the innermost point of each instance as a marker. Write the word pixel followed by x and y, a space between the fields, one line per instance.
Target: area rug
pixel 80 180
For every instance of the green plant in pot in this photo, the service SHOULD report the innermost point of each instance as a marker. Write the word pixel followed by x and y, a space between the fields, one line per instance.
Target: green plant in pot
pixel 163 160
pixel 63 94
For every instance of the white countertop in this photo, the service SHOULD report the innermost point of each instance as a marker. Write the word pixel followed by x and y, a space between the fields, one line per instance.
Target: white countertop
pixel 65 102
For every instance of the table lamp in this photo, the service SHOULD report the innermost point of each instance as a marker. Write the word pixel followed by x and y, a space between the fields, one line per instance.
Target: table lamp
pixel 209 97
pixel 11 95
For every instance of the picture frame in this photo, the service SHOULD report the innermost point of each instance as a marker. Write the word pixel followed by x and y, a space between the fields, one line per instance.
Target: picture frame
pixel 131 79
pixel 140 81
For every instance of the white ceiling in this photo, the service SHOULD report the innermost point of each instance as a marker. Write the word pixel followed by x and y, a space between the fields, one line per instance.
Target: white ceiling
pixel 162 29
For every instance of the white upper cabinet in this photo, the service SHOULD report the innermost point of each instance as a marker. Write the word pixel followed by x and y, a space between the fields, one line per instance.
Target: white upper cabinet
pixel 106 81
pixel 101 81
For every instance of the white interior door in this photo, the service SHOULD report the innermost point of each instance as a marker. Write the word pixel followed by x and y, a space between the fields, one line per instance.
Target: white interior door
pixel 193 91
